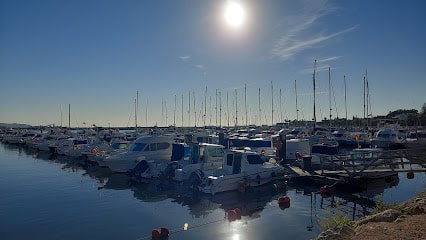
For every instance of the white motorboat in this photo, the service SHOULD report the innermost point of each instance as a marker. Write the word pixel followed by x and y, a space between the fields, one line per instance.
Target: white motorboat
pixel 242 169
pixel 152 149
pixel 389 138
pixel 205 158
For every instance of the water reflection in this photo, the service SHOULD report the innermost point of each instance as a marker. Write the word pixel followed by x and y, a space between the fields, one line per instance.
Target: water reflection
pixel 355 201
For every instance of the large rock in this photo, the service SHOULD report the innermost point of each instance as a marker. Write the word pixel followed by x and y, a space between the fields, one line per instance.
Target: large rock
pixel 342 232
pixel 389 215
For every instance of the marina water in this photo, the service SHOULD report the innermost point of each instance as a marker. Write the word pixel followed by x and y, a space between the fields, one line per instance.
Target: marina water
pixel 44 196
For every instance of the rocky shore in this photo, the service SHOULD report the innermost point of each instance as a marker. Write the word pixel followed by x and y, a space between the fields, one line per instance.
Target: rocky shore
pixel 405 221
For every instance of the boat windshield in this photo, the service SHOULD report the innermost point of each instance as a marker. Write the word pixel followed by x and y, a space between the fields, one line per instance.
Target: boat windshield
pixel 138 147
pixel 254 159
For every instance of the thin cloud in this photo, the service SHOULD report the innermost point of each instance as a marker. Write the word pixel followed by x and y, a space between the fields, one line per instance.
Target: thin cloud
pixel 322 65
pixel 185 58
pixel 288 46
pixel 199 66
pixel 329 59
pixel 300 30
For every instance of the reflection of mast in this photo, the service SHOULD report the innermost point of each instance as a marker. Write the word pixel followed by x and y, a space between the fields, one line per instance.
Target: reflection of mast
pixel 311 225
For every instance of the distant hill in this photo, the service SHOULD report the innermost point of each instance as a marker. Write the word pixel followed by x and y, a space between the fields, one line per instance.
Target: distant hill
pixel 14 125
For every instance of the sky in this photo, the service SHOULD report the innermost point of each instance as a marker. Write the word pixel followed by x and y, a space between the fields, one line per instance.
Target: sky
pixel 122 63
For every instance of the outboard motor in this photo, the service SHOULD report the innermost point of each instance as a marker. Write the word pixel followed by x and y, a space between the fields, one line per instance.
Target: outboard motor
pixel 140 168
pixel 169 172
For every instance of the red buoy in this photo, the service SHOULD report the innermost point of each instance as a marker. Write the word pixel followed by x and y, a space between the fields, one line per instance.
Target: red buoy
pixel 164 232
pixel 325 189
pixel 232 215
pixel 242 187
pixel 237 213
pixel 410 175
pixel 283 200
pixel 156 234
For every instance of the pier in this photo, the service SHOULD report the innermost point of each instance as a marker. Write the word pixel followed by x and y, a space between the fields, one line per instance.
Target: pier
pixel 344 168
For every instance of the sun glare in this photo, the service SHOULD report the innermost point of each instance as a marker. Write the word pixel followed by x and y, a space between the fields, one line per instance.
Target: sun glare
pixel 234 14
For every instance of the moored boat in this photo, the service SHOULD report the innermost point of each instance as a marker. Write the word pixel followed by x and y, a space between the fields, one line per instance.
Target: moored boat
pixel 242 169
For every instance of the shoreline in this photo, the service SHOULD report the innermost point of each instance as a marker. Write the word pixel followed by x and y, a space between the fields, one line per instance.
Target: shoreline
pixel 402 221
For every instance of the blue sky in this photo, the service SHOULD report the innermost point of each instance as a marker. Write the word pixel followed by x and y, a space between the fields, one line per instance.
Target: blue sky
pixel 95 55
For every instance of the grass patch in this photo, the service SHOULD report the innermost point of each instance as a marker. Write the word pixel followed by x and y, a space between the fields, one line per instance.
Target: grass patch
pixel 382 206
pixel 336 219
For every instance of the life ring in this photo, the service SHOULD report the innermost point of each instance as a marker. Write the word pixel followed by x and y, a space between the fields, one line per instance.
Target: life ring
pixel 94 151
pixel 357 137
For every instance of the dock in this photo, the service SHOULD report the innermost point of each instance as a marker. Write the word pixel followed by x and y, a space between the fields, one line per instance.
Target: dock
pixel 343 169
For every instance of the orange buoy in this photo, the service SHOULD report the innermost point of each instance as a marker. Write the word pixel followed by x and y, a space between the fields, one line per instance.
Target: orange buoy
pixel 232 215
pixel 410 175
pixel 237 213
pixel 156 234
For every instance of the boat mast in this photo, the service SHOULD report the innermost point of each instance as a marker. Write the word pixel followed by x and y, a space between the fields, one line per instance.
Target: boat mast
pixel 205 107
pixel 189 108
pixel 272 107
pixel 236 109
pixel 260 111
pixel 281 110
pixel 245 101
pixel 136 111
pixel 313 80
pixel 60 106
pixel 367 97
pixel 216 107
pixel 174 114
pixel 182 110
pixel 195 110
pixel 346 106
pixel 329 96
pixel 220 109
pixel 227 107
pixel 69 116
pixel 364 97
pixel 297 110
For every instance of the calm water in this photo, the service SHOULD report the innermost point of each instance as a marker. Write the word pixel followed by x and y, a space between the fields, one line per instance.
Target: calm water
pixel 54 197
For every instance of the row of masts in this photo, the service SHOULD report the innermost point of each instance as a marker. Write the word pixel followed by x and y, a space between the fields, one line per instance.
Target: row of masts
pixel 218 105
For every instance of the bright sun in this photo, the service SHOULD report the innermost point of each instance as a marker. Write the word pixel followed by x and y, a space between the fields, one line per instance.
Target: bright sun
pixel 234 14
